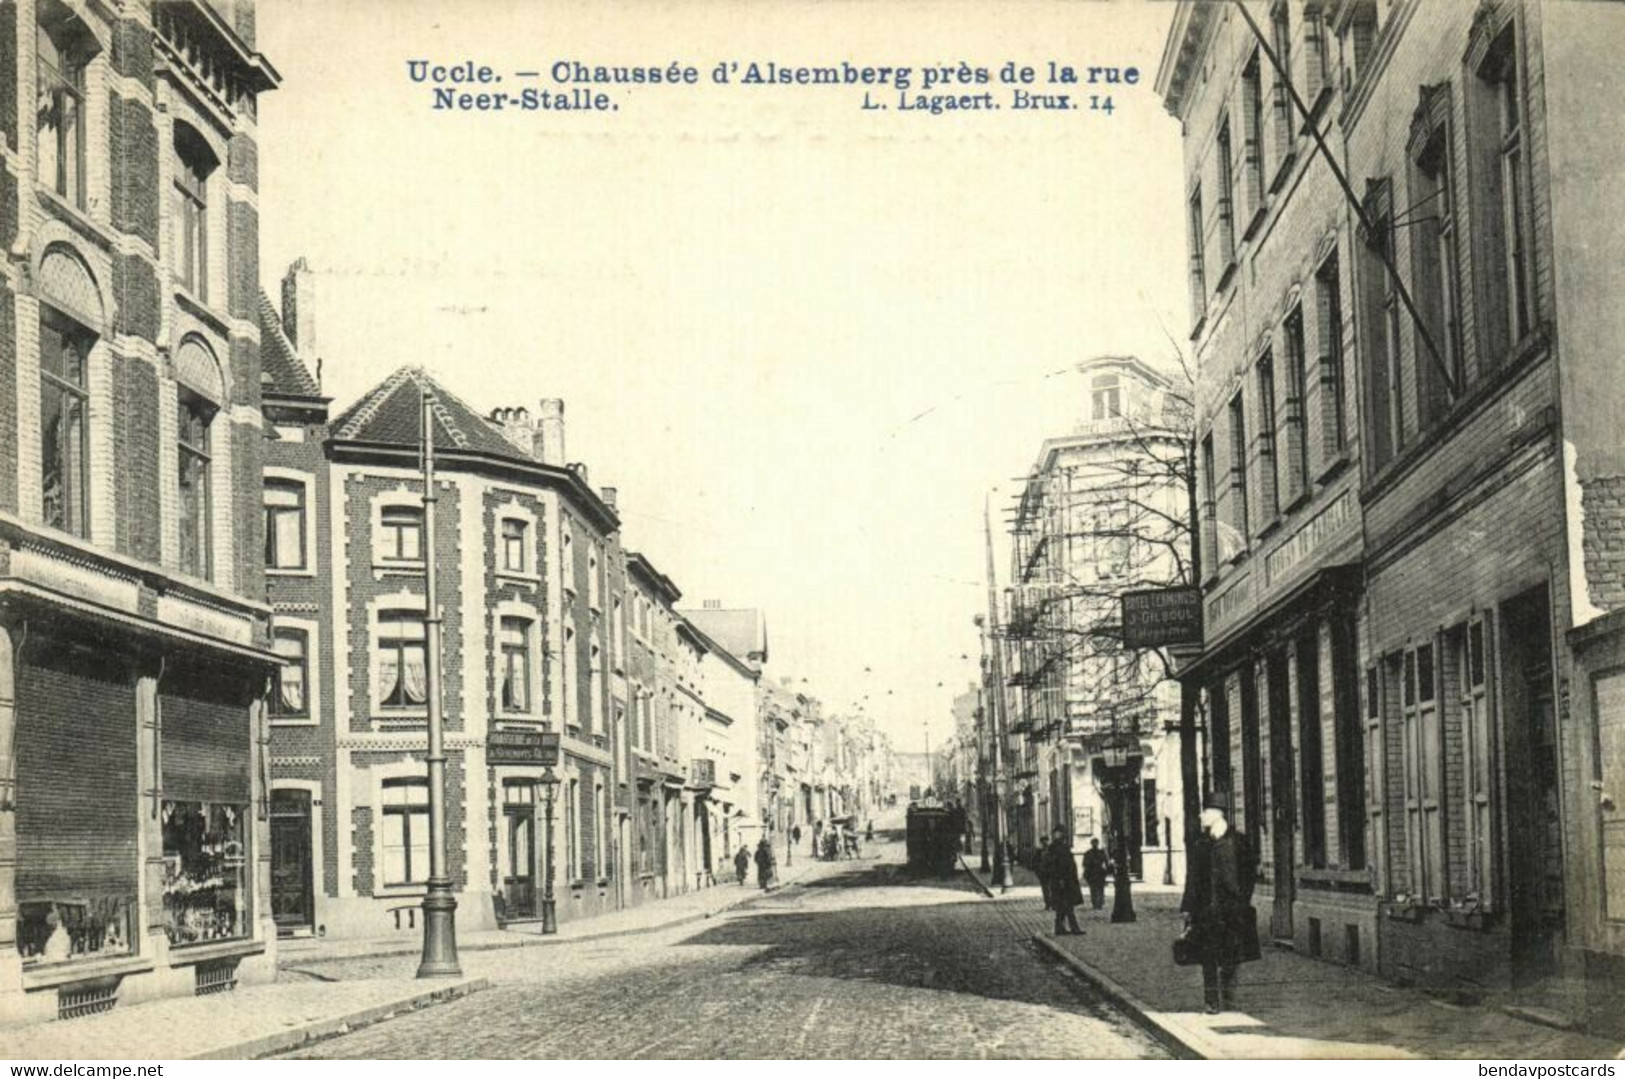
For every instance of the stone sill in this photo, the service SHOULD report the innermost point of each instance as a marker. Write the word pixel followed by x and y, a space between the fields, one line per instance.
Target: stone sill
pixel 186 955
pixel 70 972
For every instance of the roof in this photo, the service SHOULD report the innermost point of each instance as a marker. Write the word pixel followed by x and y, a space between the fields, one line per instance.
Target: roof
pixel 282 371
pixel 391 412
pixel 639 565
pixel 741 632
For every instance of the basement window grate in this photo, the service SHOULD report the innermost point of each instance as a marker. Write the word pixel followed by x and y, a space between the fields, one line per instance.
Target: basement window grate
pixel 219 977
pixel 86 998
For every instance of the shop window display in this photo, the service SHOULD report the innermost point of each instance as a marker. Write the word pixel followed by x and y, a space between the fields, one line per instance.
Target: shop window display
pixel 66 928
pixel 205 892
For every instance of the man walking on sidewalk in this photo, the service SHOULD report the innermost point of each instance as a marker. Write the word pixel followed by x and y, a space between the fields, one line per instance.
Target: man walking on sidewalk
pixel 1094 874
pixel 765 863
pixel 1041 870
pixel 1218 910
pixel 1061 870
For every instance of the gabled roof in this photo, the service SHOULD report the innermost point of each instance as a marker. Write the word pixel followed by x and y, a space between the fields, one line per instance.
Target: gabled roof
pixel 639 565
pixel 281 369
pixel 391 412
pixel 742 632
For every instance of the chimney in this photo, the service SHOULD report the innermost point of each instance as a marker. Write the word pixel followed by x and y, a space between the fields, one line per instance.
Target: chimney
pixel 549 444
pixel 608 494
pixel 516 426
pixel 299 308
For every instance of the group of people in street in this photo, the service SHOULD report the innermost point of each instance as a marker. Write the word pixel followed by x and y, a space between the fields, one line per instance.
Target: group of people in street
pixel 836 840
pixel 767 864
pixel 1220 930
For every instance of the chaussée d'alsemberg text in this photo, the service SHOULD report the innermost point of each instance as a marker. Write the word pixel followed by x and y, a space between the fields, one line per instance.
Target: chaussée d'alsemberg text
pixel 470 86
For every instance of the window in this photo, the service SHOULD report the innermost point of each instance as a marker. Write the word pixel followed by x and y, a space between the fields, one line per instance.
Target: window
pixel 1210 535
pixel 1311 758
pixel 205 867
pixel 1193 228
pixel 1349 740
pixel 600 826
pixel 595 685
pixel 64 422
pixel 572 830
pixel 515 646
pixel 60 116
pixel 567 666
pixel 192 163
pixel 1252 100
pixel 1281 112
pixel 1105 398
pixel 1294 420
pixel 284 524
pixel 1381 323
pixel 1316 74
pixel 1329 361
pixel 402 659
pixel 1433 254
pixel 401 534
pixel 1479 771
pixel 1423 747
pixel 1498 158
pixel 617 627
pixel 290 698
pixel 513 545
pixel 194 416
pixel 593 598
pixel 405 838
pixel 1238 467
pixel 1357 33
pixel 1268 498
pixel 1227 197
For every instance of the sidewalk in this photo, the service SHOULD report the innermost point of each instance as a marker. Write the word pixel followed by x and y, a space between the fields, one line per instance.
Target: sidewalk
pixel 243 1024
pixel 1288 1006
pixel 310 952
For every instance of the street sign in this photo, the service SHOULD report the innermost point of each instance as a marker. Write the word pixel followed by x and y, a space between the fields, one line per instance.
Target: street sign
pixel 1155 617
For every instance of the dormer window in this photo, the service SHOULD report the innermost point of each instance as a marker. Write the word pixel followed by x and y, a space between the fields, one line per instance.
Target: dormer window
pixel 1105 398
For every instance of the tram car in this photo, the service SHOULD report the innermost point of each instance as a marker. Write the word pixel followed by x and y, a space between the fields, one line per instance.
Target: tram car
pixel 933 846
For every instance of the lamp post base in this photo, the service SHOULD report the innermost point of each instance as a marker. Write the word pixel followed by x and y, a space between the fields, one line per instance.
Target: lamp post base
pixel 550 917
pixel 440 934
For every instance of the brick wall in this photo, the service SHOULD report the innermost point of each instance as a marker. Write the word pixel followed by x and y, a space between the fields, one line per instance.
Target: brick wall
pixel 132 52
pixel 135 445
pixel 1603 501
pixel 243 245
pixel 135 291
pixel 8 73
pixel 133 150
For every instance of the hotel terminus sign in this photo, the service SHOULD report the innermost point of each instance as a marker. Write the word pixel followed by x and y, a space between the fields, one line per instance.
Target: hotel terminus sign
pixel 1155 617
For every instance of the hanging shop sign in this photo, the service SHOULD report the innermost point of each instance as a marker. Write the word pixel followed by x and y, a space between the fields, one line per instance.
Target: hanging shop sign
pixel 1155 617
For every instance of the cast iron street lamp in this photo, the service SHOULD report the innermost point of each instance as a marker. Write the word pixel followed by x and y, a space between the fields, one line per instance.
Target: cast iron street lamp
pixel 439 904
pixel 550 786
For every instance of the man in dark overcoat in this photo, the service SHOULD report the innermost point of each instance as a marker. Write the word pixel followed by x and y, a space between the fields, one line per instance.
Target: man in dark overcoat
pixel 766 864
pixel 1094 874
pixel 1061 870
pixel 1218 903
pixel 1041 870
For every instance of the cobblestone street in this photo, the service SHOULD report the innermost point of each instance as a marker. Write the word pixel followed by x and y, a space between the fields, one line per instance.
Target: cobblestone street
pixel 861 961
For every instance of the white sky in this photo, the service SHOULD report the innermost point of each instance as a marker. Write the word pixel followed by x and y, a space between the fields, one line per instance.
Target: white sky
pixel 802 339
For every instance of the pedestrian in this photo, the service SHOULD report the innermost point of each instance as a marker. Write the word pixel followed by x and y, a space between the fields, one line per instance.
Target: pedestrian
pixel 1041 870
pixel 1062 872
pixel 1094 873
pixel 869 832
pixel 765 864
pixel 1219 918
pixel 742 864
pixel 817 838
pixel 795 834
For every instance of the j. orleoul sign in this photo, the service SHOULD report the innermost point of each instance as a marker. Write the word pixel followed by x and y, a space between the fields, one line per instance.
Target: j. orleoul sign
pixel 1155 617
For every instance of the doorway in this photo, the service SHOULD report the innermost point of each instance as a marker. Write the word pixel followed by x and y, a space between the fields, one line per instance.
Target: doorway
pixel 293 906
pixel 519 849
pixel 1283 807
pixel 1534 809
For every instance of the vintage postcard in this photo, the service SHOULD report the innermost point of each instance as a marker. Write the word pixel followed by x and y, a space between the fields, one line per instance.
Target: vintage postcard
pixel 811 529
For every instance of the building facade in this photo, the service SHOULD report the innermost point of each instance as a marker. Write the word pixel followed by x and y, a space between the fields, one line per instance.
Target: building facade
pixel 1410 487
pixel 1095 725
pixel 134 647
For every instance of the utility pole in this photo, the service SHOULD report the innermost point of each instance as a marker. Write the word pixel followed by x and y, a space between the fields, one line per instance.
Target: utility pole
pixel 439 905
pixel 1001 851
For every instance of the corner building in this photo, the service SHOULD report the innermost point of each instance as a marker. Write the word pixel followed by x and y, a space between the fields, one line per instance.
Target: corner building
pixel 134 655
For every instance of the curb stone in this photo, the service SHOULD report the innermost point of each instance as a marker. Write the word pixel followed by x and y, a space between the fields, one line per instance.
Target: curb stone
pixel 332 1026
pixel 1183 1042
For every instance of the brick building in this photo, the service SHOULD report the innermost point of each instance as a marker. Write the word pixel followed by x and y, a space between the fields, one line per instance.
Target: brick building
pixel 133 637
pixel 1409 481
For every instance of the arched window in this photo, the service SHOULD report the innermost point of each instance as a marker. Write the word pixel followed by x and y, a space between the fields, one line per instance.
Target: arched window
pixel 194 417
